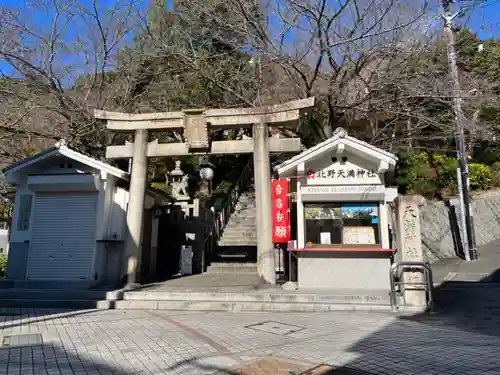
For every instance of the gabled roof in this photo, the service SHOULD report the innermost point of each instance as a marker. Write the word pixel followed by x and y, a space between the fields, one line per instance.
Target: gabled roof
pixel 340 138
pixel 60 148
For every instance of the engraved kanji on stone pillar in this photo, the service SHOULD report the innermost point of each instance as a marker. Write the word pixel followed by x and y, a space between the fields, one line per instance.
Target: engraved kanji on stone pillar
pixel 410 246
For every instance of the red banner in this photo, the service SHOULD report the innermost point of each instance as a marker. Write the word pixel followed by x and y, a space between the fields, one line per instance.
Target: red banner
pixel 281 222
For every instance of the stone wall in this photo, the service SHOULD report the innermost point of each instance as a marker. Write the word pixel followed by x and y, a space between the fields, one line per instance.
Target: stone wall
pixel 435 220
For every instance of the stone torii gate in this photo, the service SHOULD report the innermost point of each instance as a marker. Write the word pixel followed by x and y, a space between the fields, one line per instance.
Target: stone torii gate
pixel 195 124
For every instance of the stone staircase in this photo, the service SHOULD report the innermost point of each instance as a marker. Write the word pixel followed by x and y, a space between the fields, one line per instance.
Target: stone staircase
pixel 265 300
pixel 237 247
pixel 241 230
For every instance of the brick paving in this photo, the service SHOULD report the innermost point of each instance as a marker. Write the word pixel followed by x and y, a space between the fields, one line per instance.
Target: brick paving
pixel 153 343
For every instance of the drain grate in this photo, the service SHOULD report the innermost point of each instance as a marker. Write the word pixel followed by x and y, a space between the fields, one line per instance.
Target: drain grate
pixel 276 328
pixel 28 339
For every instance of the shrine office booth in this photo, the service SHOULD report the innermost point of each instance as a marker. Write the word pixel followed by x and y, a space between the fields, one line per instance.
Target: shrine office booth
pixel 340 227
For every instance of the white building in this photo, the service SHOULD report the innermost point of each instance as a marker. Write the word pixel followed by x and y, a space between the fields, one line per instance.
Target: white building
pixel 69 218
pixel 342 189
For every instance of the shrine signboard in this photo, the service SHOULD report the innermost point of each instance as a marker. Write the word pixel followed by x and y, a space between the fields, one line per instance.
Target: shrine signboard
pixel 325 172
pixel 281 222
pixel 352 173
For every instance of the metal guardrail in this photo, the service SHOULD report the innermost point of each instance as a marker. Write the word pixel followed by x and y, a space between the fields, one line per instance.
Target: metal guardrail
pixel 406 265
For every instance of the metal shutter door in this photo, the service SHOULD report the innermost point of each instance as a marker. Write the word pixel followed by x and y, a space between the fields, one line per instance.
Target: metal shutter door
pixel 62 236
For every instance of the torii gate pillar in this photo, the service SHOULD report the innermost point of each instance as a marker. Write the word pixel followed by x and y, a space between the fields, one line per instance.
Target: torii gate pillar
pixel 135 208
pixel 262 181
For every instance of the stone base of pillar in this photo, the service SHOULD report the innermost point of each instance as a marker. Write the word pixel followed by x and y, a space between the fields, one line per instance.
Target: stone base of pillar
pixel 132 286
pixel 415 297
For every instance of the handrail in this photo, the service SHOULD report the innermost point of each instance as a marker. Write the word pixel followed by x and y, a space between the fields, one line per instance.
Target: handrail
pixel 427 283
pixel 222 216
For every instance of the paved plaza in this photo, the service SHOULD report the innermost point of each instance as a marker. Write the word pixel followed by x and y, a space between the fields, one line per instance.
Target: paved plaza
pixel 142 342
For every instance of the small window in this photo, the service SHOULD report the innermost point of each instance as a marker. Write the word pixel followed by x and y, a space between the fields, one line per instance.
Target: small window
pixel 342 224
pixel 24 214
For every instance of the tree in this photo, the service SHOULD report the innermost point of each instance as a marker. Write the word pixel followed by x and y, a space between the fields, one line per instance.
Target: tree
pixel 56 60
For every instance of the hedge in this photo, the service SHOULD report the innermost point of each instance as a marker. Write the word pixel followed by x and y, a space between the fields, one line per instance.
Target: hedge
pixel 434 175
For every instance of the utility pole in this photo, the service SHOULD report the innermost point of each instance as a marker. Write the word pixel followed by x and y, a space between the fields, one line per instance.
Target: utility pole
pixel 459 122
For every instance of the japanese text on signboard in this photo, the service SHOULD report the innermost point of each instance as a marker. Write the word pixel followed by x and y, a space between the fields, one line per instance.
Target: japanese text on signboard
pixel 281 225
pixel 342 173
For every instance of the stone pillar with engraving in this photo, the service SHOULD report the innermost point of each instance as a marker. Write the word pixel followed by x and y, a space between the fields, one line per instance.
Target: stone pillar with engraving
pixel 410 246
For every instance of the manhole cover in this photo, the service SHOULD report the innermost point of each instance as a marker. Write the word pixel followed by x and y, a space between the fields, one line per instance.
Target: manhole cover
pixel 28 339
pixel 329 370
pixel 276 328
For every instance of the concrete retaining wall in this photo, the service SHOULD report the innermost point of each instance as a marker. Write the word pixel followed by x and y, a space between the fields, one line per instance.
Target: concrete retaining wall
pixel 437 238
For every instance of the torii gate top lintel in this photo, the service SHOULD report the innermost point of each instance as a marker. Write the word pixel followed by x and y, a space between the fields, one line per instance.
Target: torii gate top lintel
pixel 227 117
pixel 195 124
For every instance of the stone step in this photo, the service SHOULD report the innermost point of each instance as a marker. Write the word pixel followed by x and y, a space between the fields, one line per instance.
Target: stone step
pixel 240 207
pixel 277 295
pixel 231 267
pixel 239 253
pixel 250 211
pixel 240 242
pixel 238 228
pixel 239 232
pixel 245 203
pixel 57 294
pixel 235 237
pixel 245 306
pixel 56 304
pixel 247 198
pixel 255 301
pixel 243 220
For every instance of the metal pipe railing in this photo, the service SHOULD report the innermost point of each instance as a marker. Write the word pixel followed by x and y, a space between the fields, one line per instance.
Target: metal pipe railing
pixel 428 283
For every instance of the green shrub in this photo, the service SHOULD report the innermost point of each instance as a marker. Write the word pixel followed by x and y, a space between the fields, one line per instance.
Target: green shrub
pixel 496 166
pixel 3 264
pixel 495 174
pixel 415 175
pixel 419 173
pixel 446 170
pixel 480 176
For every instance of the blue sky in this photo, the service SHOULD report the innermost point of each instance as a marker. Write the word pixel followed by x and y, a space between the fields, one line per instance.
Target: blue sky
pixel 483 19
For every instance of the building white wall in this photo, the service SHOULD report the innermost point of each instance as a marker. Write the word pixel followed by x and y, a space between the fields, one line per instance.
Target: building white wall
pixel 110 218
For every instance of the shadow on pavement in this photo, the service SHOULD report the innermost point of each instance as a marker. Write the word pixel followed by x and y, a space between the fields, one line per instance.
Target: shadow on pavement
pixel 21 318
pixel 459 337
pixel 472 306
pixel 50 359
